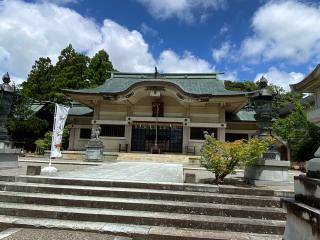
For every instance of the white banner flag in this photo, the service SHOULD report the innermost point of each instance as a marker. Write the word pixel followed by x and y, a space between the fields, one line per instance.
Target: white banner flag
pixel 60 117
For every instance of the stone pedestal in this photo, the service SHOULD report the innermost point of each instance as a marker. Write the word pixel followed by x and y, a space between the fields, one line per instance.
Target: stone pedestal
pixel 303 217
pixel 270 170
pixel 9 158
pixel 94 150
pixel 313 166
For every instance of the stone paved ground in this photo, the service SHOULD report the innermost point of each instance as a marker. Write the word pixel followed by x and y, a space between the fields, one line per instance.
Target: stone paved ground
pixel 76 165
pixel 50 234
pixel 23 168
pixel 130 171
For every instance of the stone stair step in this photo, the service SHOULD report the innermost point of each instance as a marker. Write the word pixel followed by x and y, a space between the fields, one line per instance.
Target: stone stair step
pixel 130 230
pixel 8 231
pixel 144 218
pixel 144 205
pixel 58 234
pixel 187 196
pixel 129 184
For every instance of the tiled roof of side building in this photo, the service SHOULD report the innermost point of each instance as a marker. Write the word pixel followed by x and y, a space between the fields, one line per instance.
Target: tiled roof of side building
pixel 241 116
pixel 193 84
pixel 79 110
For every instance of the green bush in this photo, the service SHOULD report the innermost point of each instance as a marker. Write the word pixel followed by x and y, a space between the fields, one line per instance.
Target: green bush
pixel 65 137
pixel 222 158
pixel 45 143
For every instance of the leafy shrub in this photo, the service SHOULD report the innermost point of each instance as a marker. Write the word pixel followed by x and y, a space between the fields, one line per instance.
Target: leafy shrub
pixel 45 143
pixel 222 158
pixel 253 149
pixel 65 137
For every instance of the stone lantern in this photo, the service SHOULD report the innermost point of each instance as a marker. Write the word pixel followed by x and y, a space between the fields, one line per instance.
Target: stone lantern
pixel 269 170
pixel 8 156
pixel 261 102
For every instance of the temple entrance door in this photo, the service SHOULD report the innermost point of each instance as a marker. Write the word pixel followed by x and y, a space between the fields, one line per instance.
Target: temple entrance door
pixel 169 137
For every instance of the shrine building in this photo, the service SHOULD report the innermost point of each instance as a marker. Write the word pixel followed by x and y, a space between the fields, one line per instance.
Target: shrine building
pixel 136 109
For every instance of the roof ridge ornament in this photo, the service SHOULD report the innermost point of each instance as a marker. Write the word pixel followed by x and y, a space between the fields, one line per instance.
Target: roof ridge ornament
pixel 156 73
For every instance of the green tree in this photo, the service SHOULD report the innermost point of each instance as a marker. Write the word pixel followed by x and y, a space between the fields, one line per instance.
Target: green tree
pixel 302 136
pixel 40 80
pixel 99 68
pixel 283 99
pixel 71 71
pixel 23 126
pixel 245 86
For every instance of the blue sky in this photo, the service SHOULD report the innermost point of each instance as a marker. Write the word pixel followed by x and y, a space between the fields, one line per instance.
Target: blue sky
pixel 245 39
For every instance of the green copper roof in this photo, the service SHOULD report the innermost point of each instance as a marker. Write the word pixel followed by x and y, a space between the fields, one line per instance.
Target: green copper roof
pixel 194 84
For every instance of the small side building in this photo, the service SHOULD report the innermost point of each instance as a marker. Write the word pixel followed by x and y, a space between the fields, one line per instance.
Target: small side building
pixel 133 109
pixel 311 84
pixel 303 212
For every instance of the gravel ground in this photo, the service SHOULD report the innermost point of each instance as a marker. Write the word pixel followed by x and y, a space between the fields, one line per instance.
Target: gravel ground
pixel 50 234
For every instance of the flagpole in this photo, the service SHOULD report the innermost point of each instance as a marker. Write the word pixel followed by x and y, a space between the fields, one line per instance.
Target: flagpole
pixel 60 117
pixel 54 123
pixel 50 169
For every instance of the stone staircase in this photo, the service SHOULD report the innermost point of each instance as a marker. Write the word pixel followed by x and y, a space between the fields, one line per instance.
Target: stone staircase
pixel 141 210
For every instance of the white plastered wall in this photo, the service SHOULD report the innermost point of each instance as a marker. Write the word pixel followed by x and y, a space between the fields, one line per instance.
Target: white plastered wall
pixel 206 116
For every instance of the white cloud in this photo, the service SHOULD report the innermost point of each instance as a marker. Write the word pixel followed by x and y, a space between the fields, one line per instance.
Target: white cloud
pixel 127 49
pixel 169 61
pixel 184 10
pixel 129 52
pixel 222 52
pixel 32 30
pixel 29 31
pixel 145 29
pixel 229 75
pixel 280 78
pixel 284 30
pixel 59 2
pixel 224 29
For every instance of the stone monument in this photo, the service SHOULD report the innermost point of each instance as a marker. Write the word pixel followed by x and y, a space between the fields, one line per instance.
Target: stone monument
pixel 94 149
pixel 303 212
pixel 270 170
pixel 8 156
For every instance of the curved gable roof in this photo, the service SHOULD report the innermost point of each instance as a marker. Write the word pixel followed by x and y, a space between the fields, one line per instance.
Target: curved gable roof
pixel 190 84
pixel 310 83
